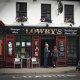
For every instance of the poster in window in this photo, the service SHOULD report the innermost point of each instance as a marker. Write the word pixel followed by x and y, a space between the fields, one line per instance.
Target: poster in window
pixel 10 49
pixel 28 43
pixel 61 53
pixel 17 43
pixel 61 48
pixel 23 44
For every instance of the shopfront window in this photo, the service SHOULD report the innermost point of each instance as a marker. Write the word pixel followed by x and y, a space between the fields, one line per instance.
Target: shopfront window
pixel 23 46
pixel 61 48
pixel 72 50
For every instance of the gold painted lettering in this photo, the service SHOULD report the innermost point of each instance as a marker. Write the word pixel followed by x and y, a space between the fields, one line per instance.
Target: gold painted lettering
pixel 59 31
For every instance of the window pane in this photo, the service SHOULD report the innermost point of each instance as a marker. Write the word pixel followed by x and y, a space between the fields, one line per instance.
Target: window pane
pixel 71 50
pixel 46 10
pixel 68 9
pixel 23 46
pixel 21 14
pixel 21 9
pixel 69 13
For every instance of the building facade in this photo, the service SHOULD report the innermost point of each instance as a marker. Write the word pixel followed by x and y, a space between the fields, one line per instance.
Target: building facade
pixel 31 23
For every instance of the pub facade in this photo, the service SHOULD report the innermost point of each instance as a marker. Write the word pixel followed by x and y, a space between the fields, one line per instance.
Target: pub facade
pixel 28 42
pixel 29 24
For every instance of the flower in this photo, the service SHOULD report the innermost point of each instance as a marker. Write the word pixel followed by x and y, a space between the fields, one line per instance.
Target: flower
pixel 42 19
pixel 69 20
pixel 21 19
pixel 46 19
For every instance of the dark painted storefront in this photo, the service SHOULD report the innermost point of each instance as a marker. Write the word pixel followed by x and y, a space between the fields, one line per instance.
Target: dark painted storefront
pixel 27 42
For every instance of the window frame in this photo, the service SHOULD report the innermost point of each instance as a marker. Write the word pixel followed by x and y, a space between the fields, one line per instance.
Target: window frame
pixel 46 13
pixel 23 39
pixel 69 16
pixel 21 13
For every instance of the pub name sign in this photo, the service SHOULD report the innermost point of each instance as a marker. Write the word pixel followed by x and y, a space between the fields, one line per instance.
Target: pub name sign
pixel 54 31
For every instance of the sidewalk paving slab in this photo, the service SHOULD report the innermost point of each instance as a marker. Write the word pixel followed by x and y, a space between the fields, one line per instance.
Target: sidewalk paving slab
pixel 36 70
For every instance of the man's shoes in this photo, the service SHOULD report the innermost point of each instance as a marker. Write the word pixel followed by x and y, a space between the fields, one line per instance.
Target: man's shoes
pixel 54 66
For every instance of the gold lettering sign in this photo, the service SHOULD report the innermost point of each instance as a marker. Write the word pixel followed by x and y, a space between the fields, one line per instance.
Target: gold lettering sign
pixel 44 31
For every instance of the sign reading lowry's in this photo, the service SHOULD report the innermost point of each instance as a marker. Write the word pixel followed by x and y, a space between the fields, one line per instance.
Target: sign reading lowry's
pixel 41 30
pixel 44 31
pixel 35 31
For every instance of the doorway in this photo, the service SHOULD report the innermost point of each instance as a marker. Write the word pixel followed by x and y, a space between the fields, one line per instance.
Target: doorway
pixel 51 42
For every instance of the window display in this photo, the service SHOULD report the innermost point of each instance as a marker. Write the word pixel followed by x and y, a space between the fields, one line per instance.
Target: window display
pixel 61 48
pixel 23 46
pixel 72 50
pixel 9 49
pixel 28 43
pixel 17 43
pixel 61 44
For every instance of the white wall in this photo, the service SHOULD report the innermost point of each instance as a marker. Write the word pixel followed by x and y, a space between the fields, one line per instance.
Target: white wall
pixel 8 13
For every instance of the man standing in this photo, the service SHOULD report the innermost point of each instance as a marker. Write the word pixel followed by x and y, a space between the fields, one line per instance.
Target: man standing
pixel 46 52
pixel 54 56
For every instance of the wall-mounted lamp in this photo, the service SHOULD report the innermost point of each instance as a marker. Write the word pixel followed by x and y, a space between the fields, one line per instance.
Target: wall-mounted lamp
pixel 21 19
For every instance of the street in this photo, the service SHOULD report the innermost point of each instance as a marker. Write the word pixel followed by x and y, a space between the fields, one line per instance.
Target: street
pixel 62 76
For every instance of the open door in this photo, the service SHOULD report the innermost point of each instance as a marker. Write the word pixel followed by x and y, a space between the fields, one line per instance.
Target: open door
pixel 61 45
pixel 9 49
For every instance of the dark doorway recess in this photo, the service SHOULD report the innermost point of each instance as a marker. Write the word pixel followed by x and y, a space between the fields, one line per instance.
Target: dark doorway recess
pixel 51 41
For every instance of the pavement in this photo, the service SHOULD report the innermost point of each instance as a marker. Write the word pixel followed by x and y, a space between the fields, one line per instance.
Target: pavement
pixel 37 70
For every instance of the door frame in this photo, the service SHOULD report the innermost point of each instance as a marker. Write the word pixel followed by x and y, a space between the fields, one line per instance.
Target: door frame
pixel 9 37
pixel 61 59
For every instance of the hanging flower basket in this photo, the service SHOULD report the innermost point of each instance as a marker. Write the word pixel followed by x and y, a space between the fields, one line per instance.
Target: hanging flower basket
pixel 46 20
pixel 42 19
pixel 21 19
pixel 69 20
